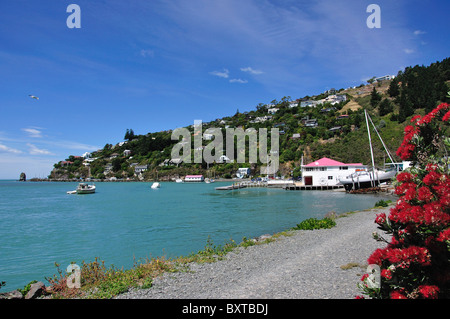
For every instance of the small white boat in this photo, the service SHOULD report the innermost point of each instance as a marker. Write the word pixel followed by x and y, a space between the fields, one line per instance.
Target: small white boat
pixel 84 188
pixel 179 180
pixel 156 185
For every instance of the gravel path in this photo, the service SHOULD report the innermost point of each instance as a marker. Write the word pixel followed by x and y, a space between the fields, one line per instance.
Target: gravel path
pixel 304 265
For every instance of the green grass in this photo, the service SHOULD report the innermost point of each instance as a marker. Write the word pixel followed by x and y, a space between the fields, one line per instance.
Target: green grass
pixel 383 203
pixel 314 223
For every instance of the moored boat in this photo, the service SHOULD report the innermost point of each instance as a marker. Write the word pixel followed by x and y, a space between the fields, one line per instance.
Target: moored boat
pixel 365 179
pixel 84 188
pixel 156 185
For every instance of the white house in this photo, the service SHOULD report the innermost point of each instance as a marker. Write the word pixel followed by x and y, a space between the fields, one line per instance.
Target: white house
pixel 140 168
pixel 261 119
pixel 86 155
pixel 194 178
pixel 126 153
pixel 327 172
pixel 208 137
pixel 384 78
pixel 224 159
pixel 243 172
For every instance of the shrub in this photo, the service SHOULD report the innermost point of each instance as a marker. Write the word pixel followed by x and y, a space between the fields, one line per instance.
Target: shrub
pixel 416 262
pixel 314 223
pixel 382 203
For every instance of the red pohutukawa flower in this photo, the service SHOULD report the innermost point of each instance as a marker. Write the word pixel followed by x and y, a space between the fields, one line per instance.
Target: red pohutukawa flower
pixel 416 262
pixel 446 117
pixel 432 178
pixel 444 235
pixel 424 194
pixel 405 177
pixel 398 294
pixel 429 292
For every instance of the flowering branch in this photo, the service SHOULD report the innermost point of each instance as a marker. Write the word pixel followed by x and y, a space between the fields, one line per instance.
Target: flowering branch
pixel 416 262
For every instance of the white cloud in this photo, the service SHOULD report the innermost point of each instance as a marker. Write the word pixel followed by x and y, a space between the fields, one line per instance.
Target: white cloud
pixel 224 74
pixel 33 132
pixel 37 151
pixel 419 32
pixel 72 145
pixel 238 81
pixel 146 53
pixel 4 148
pixel 408 51
pixel 251 71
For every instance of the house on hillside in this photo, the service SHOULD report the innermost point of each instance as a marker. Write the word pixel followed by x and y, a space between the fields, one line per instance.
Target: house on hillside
pixel 261 119
pixel 140 168
pixel 65 163
pixel 311 123
pixel 224 159
pixel 308 103
pixel 384 78
pixel 243 172
pixel 327 172
pixel 127 153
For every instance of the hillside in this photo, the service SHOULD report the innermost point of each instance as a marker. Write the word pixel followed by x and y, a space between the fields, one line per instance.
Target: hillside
pixel 331 124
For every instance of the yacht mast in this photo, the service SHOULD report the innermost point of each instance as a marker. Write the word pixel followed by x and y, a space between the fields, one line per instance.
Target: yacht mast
pixel 384 145
pixel 372 181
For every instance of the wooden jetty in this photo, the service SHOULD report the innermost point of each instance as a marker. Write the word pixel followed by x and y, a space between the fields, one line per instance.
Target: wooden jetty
pixel 312 188
pixel 240 185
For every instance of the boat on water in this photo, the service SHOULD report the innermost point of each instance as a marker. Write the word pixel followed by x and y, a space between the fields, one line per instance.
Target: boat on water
pixel 366 179
pixel 179 180
pixel 83 188
pixel 156 185
pixel 369 178
pixel 209 180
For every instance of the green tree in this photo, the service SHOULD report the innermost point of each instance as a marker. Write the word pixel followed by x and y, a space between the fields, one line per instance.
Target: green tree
pixel 393 90
pixel 375 98
pixel 116 164
pixel 371 80
pixel 129 135
pixel 405 107
pixel 385 107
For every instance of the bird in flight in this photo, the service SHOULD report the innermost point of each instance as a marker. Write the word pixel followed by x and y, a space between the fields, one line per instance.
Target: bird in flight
pixel 33 97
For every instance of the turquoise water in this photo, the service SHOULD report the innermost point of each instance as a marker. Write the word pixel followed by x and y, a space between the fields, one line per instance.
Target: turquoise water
pixel 40 224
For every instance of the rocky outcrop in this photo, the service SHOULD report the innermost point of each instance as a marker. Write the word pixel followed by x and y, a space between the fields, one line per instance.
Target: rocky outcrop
pixel 36 290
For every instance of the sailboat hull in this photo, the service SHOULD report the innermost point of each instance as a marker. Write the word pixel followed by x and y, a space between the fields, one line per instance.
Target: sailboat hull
pixel 365 180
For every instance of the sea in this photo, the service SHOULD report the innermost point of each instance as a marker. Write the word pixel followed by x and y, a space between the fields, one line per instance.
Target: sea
pixel 128 222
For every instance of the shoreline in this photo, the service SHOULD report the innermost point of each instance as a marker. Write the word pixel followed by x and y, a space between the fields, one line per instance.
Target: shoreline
pixel 304 264
pixel 260 257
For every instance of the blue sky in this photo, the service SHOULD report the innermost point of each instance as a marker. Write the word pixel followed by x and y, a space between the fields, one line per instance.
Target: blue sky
pixel 155 65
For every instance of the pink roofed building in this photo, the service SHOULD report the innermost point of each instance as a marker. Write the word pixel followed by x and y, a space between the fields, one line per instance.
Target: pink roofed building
pixel 327 172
